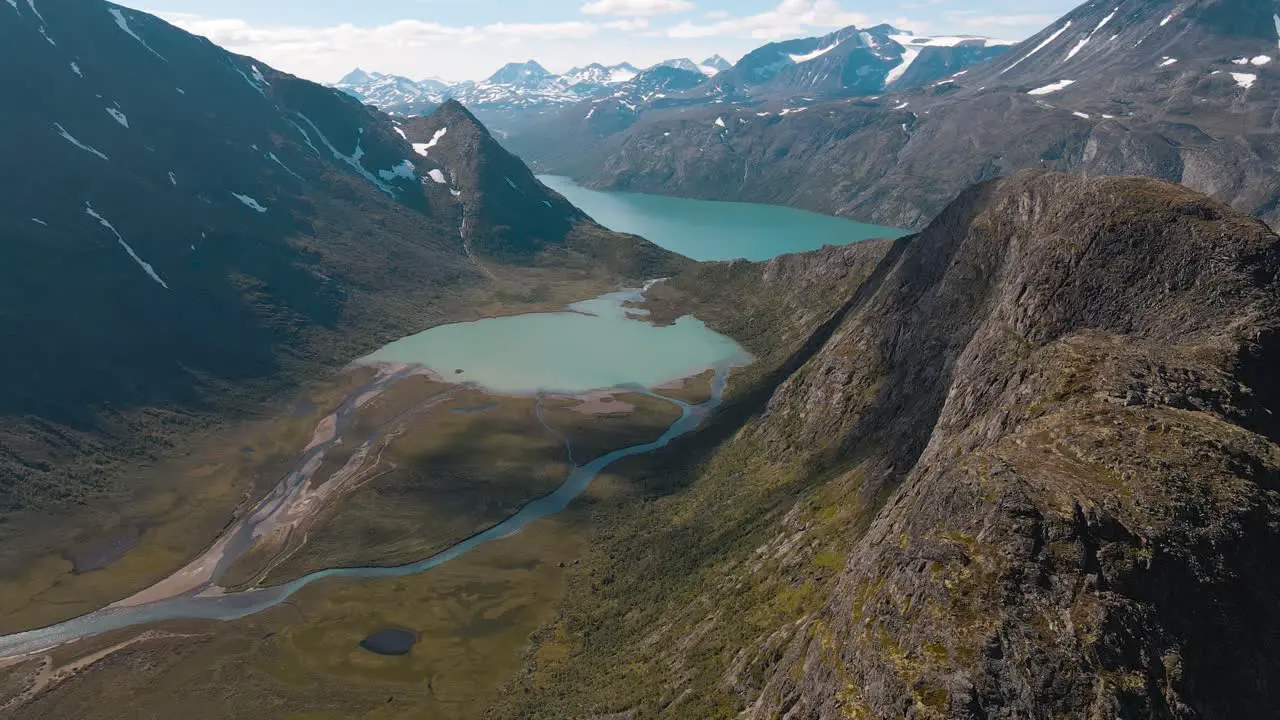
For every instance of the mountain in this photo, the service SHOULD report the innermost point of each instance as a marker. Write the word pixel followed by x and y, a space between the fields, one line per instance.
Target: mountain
pixel 1022 464
pixel 529 75
pixel 709 67
pixel 394 93
pixel 566 128
pixel 358 77
pixel 852 61
pixel 790 75
pixel 595 75
pixel 503 211
pixel 715 62
pixel 1182 91
pixel 250 231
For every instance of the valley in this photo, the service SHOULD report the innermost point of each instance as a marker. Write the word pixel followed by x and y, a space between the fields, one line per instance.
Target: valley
pixel 873 375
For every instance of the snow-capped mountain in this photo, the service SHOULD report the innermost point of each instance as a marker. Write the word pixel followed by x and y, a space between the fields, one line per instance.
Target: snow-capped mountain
pixel 709 67
pixel 393 93
pixel 529 75
pixel 653 86
pixel 852 61
pixel 715 62
pixel 596 74
pixel 1181 90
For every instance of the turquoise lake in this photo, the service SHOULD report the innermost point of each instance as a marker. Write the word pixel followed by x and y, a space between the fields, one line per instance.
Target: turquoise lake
pixel 706 230
pixel 592 345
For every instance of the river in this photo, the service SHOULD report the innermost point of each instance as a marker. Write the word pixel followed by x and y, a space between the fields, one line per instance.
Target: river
pixel 194 591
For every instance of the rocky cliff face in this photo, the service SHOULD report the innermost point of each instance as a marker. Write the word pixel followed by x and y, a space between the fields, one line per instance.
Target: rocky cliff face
pixel 1027 469
pixel 1179 91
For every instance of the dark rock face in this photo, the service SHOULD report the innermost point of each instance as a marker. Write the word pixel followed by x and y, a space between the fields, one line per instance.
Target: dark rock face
pixel 1177 91
pixel 179 220
pixel 390 641
pixel 1072 478
pixel 1064 460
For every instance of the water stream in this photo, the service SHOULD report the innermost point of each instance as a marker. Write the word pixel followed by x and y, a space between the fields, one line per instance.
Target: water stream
pixel 194 592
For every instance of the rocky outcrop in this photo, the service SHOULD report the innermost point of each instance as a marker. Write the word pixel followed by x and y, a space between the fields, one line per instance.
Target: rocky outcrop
pixel 1029 470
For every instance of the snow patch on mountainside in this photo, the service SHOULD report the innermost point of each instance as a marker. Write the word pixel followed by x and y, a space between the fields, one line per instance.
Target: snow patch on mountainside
pixel 249 81
pixel 1051 88
pixel 908 57
pixel 352 160
pixel 119 116
pixel 1080 46
pixel 32 4
pixel 815 54
pixel 1039 47
pixel 146 267
pixel 405 170
pixel 250 203
pixel 423 148
pixel 123 23
pixel 272 156
pixel 1244 80
pixel 437 175
pixel 68 137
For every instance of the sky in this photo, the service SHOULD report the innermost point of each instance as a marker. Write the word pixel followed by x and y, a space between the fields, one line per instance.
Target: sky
pixel 469 39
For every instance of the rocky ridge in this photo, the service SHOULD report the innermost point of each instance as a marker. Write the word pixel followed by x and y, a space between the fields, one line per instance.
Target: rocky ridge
pixel 1027 467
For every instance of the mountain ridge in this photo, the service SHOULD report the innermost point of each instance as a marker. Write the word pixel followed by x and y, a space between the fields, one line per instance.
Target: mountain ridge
pixel 1129 88
pixel 1010 419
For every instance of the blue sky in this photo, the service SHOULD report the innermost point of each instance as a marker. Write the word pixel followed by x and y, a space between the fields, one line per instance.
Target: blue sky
pixel 469 39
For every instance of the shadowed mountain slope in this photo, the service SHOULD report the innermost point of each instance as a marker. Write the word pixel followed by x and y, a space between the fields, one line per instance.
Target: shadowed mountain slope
pixel 185 228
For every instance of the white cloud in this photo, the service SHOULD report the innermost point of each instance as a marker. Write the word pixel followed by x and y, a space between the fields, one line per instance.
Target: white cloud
pixel 627 25
pixel 636 7
pixel 543 31
pixel 716 15
pixel 791 18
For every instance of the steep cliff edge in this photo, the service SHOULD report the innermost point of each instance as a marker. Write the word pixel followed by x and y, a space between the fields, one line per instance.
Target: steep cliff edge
pixel 1032 471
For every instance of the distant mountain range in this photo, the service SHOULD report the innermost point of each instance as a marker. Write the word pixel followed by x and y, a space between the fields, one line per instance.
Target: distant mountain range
pixel 514 87
pixel 851 61
pixel 896 126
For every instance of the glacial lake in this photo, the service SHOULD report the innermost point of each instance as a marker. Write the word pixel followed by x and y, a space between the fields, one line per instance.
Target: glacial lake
pixel 706 230
pixel 594 344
